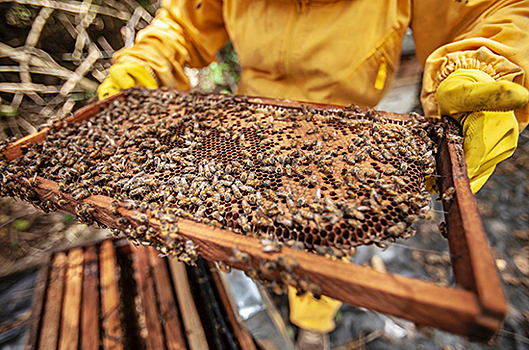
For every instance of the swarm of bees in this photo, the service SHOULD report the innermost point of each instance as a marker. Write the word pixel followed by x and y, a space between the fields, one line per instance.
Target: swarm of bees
pixel 318 179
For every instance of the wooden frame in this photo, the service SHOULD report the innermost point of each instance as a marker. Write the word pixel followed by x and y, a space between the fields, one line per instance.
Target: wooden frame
pixel 58 302
pixel 476 307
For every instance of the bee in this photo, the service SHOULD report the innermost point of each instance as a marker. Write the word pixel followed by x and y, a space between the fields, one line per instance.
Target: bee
pixel 223 267
pixel 348 159
pixel 455 139
pixel 80 194
pixel 287 278
pixel 335 253
pixel 410 232
pixel 217 216
pixel 143 218
pixel 327 170
pixel 271 247
pixel 268 267
pixel 247 210
pixel 372 173
pixel 313 130
pixel 252 199
pixel 287 262
pixel 173 232
pixel 236 192
pixel 272 195
pixel 252 273
pixel 443 230
pixel 399 181
pixel 397 229
pixel 140 230
pixel 315 289
pixel 121 221
pixel 191 250
pixel 243 177
pixel 297 170
pixel 246 227
pixel 239 257
pixel 303 287
pixel 448 194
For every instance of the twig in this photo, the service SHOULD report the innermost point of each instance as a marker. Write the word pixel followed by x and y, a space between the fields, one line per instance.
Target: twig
pixel 30 129
pixel 71 6
pixel 39 58
pixel 36 28
pixel 67 24
pixel 67 107
pixel 129 29
pixel 36 70
pixel 361 341
pixel 516 336
pixel 40 88
pixel 31 41
pixel 146 16
pixel 87 18
pixel 93 55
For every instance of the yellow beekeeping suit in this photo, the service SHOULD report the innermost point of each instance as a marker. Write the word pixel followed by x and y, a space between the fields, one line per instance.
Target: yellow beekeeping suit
pixel 334 51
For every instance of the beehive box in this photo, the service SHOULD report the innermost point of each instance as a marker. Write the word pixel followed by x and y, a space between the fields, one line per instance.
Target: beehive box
pixel 280 189
pixel 111 295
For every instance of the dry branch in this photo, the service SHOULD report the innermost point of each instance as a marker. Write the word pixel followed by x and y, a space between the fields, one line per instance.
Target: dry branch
pixel 31 41
pixel 39 88
pixel 39 58
pixel 75 7
pixel 93 55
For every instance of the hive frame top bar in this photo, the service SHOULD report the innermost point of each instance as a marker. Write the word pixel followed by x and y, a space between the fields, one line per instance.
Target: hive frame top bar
pixel 475 308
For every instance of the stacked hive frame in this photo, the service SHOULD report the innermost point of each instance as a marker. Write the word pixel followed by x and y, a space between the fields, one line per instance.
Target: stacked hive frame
pixel 112 295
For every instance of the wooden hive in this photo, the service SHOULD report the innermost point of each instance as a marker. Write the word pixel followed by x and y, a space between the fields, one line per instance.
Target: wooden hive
pixel 116 161
pixel 112 295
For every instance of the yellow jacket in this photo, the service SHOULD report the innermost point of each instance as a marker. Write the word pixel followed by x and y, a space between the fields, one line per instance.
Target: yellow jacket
pixel 336 51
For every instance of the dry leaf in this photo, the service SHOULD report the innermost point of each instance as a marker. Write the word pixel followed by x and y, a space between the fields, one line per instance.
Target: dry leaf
pixel 522 263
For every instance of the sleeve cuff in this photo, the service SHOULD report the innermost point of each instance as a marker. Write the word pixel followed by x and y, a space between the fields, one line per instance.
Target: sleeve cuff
pixel 441 63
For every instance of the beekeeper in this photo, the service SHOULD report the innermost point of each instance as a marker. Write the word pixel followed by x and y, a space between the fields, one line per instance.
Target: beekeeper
pixel 475 54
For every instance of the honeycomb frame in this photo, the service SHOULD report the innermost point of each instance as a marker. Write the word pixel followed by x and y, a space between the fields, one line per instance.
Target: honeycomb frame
pixel 470 311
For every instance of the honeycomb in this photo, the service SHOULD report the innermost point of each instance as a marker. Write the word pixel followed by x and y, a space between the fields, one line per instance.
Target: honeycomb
pixel 324 179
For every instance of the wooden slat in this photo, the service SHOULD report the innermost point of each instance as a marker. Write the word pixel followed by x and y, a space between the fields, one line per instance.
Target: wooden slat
pixel 243 335
pixel 30 342
pixel 474 266
pixel 155 338
pixel 49 334
pixel 90 303
pixel 110 306
pixel 71 305
pixel 167 303
pixel 81 114
pixel 196 337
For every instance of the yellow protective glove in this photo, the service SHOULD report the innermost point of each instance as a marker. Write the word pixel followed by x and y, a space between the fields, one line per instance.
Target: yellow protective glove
pixel 124 75
pixel 484 107
pixel 311 314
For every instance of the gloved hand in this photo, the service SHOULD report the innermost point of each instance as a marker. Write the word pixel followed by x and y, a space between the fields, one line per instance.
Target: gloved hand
pixel 484 107
pixel 311 314
pixel 124 75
